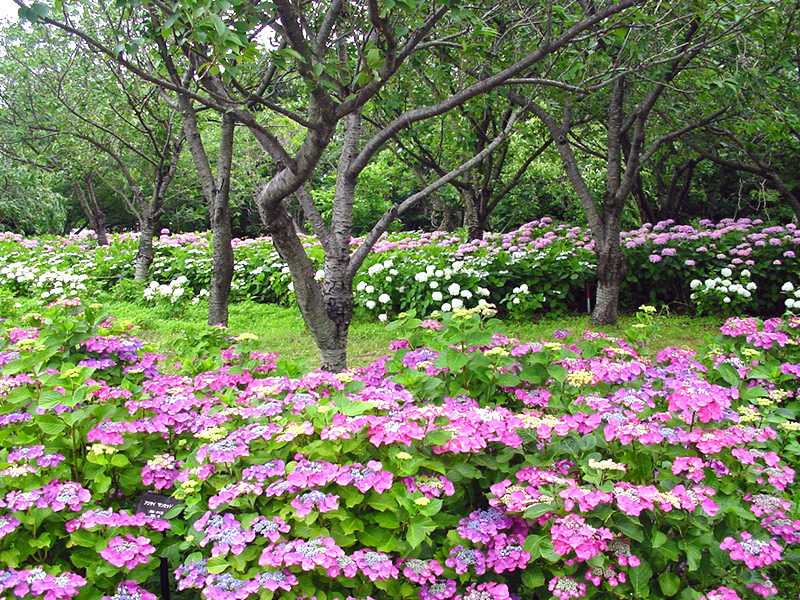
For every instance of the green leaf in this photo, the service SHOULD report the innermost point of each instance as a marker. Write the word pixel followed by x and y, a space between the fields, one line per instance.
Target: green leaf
pixel 537 510
pixel 418 531
pixel 467 471
pixel 631 528
pixel 383 502
pixel 640 579
pixel 532 579
pixel 659 539
pixel 693 556
pixel 219 25
pixel 387 520
pixel 432 508
pixel 375 59
pixel 51 398
pixel 101 483
pixel 437 437
pixel 669 583
pixel 557 372
pixel 352 408
pixel 120 460
pixel 533 546
pixel 729 374
pixel 40 9
pixel 217 564
pixel 50 424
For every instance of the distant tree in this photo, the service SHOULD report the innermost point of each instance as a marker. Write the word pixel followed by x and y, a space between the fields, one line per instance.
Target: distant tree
pixel 81 115
pixel 330 60
pixel 630 71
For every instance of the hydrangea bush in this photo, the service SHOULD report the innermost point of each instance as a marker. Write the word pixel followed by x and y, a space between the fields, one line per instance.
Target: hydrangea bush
pixel 542 266
pixel 465 465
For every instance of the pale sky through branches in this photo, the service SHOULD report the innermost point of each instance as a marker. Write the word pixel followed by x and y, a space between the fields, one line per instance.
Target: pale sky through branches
pixel 8 11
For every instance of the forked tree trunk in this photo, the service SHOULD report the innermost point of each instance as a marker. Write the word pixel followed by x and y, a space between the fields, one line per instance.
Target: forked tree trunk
pixel 94 214
pixel 330 336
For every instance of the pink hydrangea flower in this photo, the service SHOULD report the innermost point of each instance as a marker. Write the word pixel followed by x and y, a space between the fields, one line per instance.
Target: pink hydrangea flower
pixel 572 534
pixel 127 551
pixel 755 553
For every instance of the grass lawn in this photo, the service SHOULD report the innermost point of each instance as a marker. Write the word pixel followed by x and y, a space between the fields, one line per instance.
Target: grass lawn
pixel 282 329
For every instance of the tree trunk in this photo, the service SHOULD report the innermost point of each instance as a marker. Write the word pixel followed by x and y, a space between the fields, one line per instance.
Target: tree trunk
pixel 671 203
pixel 472 219
pixel 220 216
pixel 329 336
pixel 611 269
pixel 222 260
pixel 92 210
pixel 145 252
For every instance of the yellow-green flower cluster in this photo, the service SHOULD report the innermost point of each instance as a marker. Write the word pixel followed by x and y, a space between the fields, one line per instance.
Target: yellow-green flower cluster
pixel 792 426
pixel 212 434
pixel 100 449
pixel 496 351
pixel 345 376
pixel 246 337
pixel 606 465
pixel 580 377
pixel 748 414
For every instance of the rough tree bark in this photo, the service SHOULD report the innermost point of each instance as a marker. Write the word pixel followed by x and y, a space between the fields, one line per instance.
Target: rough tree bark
pixel 145 253
pixel 220 217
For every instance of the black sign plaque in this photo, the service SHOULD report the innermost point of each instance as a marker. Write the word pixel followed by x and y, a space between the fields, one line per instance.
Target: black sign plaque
pixel 156 505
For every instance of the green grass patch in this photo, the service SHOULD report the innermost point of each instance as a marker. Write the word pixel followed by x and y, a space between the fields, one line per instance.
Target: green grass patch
pixel 281 329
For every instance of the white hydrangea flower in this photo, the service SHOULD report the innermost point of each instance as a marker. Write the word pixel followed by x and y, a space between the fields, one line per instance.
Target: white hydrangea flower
pixel 384 298
pixel 695 283
pixel 787 287
pixel 457 303
pixel 454 289
pixel 383 317
pixel 446 307
pixel 436 296
pixel 370 304
pixel 726 272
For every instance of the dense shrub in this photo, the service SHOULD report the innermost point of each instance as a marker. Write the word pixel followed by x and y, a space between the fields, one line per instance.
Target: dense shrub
pixel 732 267
pixel 465 465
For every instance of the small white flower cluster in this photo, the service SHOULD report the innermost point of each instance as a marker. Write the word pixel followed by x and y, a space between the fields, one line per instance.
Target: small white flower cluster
pixel 517 292
pixel 59 284
pixel 385 285
pixel 19 272
pixel 54 282
pixel 792 303
pixel 723 287
pixel 173 291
